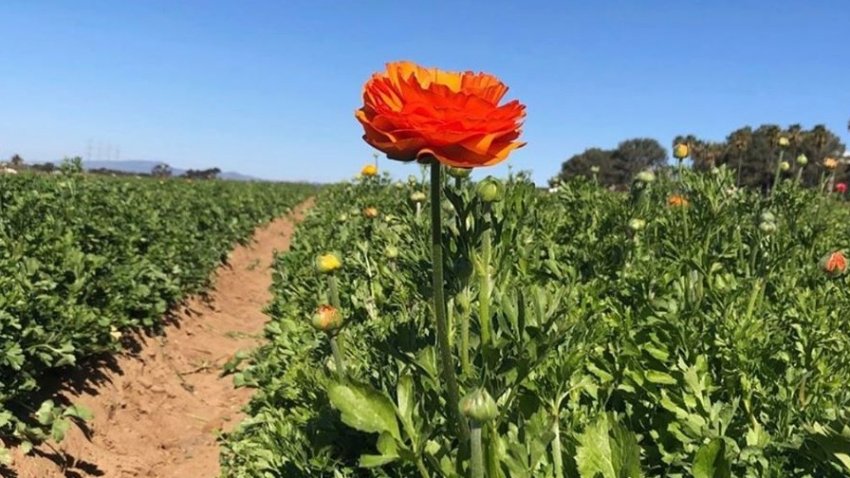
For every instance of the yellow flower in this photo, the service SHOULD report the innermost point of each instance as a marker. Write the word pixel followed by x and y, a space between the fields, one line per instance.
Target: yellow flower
pixel 783 142
pixel 369 171
pixel 327 263
pixel 830 164
pixel 681 151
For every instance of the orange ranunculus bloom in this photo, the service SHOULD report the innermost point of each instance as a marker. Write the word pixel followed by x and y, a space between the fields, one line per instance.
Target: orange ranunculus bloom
pixel 410 112
pixel 677 200
pixel 834 263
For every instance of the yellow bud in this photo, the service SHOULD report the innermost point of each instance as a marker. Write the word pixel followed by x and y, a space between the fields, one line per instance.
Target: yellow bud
pixel 681 151
pixel 369 171
pixel 327 263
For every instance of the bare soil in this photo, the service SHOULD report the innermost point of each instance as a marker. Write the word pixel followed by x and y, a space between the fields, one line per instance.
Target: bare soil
pixel 159 406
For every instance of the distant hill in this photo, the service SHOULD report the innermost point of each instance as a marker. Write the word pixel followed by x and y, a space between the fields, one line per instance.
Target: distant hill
pixel 145 167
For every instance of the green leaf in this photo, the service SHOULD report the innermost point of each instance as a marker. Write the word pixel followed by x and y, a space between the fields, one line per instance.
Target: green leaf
pixel 404 396
pixel 59 429
pixel 78 411
pixel 364 408
pixel 711 462
pixel 662 378
pixel 44 415
pixel 372 461
pixel 608 449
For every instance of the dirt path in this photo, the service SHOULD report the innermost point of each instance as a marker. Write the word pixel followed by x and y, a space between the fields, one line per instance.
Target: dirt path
pixel 158 408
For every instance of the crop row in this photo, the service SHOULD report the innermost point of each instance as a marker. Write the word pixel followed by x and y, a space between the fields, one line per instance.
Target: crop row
pixel 84 258
pixel 685 328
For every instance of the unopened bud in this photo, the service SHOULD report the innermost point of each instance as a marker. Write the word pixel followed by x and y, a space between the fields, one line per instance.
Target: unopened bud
pixel 479 406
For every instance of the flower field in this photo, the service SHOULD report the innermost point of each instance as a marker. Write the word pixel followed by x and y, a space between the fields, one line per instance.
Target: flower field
pixel 83 259
pixel 683 328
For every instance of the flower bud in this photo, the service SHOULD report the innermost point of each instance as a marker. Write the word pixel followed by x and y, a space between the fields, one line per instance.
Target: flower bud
pixel 594 169
pixel 637 224
pixel 479 406
pixel 327 319
pixel 370 212
pixel 681 151
pixel 645 176
pixel 677 200
pixel 391 252
pixel 767 227
pixel 490 190
pixel 841 188
pixel 830 164
pixel 784 166
pixel 343 217
pixel 417 196
pixel 802 160
pixel 459 173
pixel 783 142
pixel 398 184
pixel 767 216
pixel 328 263
pixel 369 171
pixel 834 264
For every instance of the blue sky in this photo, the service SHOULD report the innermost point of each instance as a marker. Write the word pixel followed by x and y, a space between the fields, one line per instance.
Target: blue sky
pixel 269 88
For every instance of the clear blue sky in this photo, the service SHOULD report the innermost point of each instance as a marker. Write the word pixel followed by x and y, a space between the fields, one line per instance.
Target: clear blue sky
pixel 269 87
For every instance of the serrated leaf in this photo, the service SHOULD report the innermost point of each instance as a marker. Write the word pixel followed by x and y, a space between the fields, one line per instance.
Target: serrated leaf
pixel 364 408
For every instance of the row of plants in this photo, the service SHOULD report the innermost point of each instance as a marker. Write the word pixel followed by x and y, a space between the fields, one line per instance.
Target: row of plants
pixel 685 328
pixel 83 259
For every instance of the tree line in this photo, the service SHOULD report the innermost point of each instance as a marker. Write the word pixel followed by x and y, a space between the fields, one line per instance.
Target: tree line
pixel 751 152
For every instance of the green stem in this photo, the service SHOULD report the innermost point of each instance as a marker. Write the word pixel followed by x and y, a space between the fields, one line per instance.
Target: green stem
pixel 484 281
pixel 476 464
pixel 680 169
pixel 423 472
pixel 333 297
pixel 464 340
pixel 800 175
pixel 492 468
pixel 340 364
pixel 557 453
pixel 333 291
pixel 778 172
pixel 439 305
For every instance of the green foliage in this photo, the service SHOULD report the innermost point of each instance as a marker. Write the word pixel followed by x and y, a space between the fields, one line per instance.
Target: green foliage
pixel 698 345
pixel 84 258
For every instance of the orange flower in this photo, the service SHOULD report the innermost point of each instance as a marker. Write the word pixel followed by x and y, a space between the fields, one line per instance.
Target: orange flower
pixel 370 212
pixel 410 112
pixel 834 263
pixel 677 200
pixel 830 164
pixel 369 170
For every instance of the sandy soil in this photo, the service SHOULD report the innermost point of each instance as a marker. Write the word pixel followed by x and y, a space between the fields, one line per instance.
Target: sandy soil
pixel 159 406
